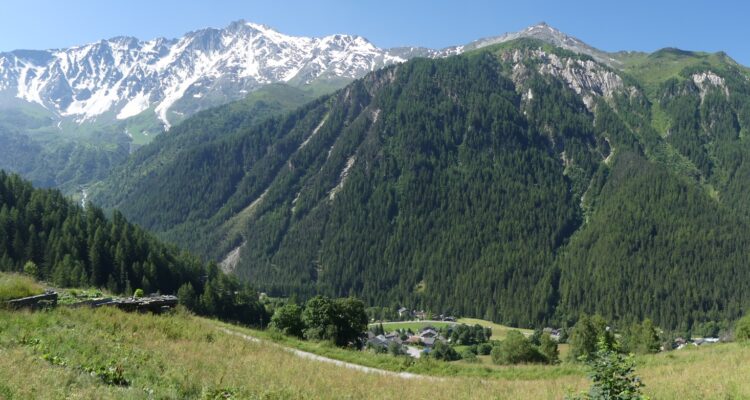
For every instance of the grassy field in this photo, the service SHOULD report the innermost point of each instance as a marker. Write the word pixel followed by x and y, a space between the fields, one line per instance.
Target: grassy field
pixel 83 353
pixel 78 353
pixel 14 286
pixel 415 326
pixel 498 331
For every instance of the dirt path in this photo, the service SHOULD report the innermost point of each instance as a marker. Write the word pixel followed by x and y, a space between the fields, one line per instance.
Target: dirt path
pixel 311 356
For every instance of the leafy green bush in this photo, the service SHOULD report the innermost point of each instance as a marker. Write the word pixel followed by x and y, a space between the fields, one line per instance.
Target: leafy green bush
pixel 516 349
pixel 138 293
pixel 463 334
pixel 742 329
pixel 484 349
pixel 112 374
pixel 585 336
pixel 444 351
pixel 31 269
pixel 641 338
pixel 396 349
pixel 548 348
pixel 469 356
pixel 218 394
pixel 377 349
pixel 612 375
pixel 288 319
pixel 339 320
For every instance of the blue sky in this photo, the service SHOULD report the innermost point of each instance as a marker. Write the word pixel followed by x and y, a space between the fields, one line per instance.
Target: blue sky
pixel 632 25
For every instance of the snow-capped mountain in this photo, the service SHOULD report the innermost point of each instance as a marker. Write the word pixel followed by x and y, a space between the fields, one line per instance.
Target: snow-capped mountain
pixel 123 76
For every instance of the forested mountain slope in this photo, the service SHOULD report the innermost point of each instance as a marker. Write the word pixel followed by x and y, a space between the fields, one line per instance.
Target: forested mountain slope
pixel 522 183
pixel 156 160
pixel 68 245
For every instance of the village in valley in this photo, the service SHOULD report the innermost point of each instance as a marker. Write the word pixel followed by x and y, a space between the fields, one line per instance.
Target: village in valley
pixel 417 333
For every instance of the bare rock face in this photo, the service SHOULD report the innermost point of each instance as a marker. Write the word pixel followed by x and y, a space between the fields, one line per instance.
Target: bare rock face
pixel 229 263
pixel 587 78
pixel 706 80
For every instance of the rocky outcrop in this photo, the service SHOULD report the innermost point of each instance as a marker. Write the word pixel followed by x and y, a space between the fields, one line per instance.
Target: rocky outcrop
pixel 154 303
pixel 707 80
pixel 587 78
pixel 47 299
pixel 229 263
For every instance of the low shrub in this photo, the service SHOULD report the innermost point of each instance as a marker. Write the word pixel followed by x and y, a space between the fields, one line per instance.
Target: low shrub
pixel 468 356
pixel 484 349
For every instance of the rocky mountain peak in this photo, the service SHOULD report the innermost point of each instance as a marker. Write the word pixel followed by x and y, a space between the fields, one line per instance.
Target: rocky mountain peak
pixel 546 33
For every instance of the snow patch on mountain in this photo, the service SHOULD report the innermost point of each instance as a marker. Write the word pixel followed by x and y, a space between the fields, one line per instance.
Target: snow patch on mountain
pixel 29 82
pixel 135 106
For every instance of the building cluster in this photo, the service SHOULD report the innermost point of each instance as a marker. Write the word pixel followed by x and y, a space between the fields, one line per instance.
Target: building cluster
pixel 680 343
pixel 426 337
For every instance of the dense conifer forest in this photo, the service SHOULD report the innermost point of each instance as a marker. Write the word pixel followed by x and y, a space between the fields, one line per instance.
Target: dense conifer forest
pixel 80 247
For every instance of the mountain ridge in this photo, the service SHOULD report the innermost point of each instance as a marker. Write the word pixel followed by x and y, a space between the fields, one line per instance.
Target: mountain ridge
pixel 106 99
pixel 126 76
pixel 143 73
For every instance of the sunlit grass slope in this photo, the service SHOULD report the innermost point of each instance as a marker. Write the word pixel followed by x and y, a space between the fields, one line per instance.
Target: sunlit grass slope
pixel 74 353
